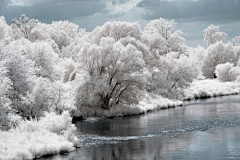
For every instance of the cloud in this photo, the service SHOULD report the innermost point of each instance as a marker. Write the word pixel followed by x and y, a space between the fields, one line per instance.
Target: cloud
pixel 192 16
pixel 114 10
pixel 22 3
pixel 115 7
pixel 48 12
pixel 177 0
pixel 181 9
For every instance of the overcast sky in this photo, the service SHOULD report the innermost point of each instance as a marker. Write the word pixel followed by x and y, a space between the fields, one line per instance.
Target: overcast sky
pixel 192 16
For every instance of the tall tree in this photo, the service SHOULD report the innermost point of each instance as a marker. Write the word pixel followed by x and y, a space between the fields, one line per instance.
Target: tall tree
pixel 213 35
pixel 166 30
pixel 24 25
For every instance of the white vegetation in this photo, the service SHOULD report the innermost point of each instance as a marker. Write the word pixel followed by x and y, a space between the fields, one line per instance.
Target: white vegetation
pixel 172 76
pixel 23 26
pixel 236 41
pixel 117 69
pixel 213 35
pixel 114 74
pixel 218 53
pixel 166 34
pixel 6 34
pixel 210 88
pixel 52 134
pixel 226 72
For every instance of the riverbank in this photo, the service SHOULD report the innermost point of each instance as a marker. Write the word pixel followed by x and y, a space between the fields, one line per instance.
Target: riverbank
pixel 202 89
pixel 53 134
pixel 149 102
pixel 201 130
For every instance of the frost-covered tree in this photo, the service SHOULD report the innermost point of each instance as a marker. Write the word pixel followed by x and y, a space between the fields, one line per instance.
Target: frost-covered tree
pixel 57 67
pixel 113 74
pixel 46 96
pixel 227 72
pixel 196 56
pixel 217 53
pixel 213 35
pixel 35 72
pixel 166 30
pixel 63 32
pixel 236 41
pixel 20 69
pixel 72 50
pixel 6 34
pixel 161 26
pixel 23 26
pixel 176 42
pixel 39 32
pixel 47 63
pixel 17 79
pixel 172 75
pixel 5 101
pixel 115 30
pixel 157 44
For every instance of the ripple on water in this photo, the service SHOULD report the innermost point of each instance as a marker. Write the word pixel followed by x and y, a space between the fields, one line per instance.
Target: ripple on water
pixel 92 140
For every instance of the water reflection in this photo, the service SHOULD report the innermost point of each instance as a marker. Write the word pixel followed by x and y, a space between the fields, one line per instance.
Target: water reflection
pixel 203 129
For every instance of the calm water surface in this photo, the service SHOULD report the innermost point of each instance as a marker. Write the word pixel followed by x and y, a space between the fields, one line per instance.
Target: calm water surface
pixel 203 129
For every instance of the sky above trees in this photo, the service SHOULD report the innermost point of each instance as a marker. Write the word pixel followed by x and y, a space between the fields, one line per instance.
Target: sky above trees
pixel 192 16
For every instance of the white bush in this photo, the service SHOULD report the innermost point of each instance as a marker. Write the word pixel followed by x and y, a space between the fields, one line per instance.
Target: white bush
pixel 226 72
pixel 217 53
pixel 52 134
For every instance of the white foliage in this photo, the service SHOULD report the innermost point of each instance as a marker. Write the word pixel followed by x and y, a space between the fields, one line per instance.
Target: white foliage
pixel 227 72
pixel 57 67
pixel 166 30
pixel 161 26
pixel 46 62
pixel 5 102
pixel 63 32
pixel 115 30
pixel 210 88
pixel 39 32
pixel 172 76
pixel 236 41
pixel 196 56
pixel 216 54
pixel 6 34
pixel 20 69
pixel 52 134
pixel 213 35
pixel 113 71
pixel 157 44
pixel 23 26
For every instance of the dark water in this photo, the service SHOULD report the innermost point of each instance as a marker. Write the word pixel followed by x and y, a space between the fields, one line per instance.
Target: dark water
pixel 203 129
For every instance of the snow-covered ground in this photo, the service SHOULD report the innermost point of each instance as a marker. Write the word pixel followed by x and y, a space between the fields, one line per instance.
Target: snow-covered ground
pixel 211 88
pixel 51 135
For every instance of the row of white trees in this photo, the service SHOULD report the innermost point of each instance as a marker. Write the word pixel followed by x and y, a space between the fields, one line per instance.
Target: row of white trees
pixel 219 53
pixel 58 66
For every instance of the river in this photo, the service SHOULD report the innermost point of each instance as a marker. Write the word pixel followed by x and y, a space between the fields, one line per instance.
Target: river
pixel 201 129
